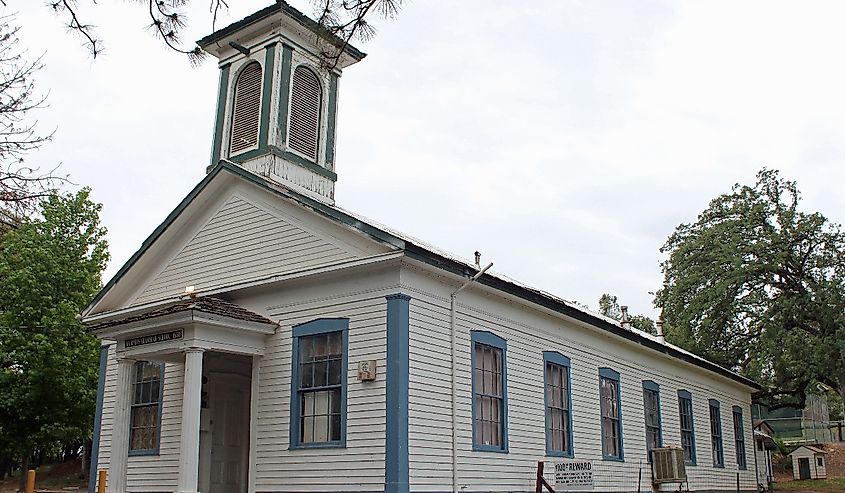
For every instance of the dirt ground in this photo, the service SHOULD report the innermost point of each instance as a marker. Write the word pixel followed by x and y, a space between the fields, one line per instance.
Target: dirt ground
pixel 835 460
pixel 52 478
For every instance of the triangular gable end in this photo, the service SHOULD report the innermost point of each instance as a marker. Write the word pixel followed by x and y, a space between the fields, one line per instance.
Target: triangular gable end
pixel 233 228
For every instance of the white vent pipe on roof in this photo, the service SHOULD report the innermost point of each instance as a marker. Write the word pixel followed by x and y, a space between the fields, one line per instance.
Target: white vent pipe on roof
pixel 659 326
pixel 626 320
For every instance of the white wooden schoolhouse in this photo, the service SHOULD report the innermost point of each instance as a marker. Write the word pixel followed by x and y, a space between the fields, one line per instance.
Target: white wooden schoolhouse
pixel 263 339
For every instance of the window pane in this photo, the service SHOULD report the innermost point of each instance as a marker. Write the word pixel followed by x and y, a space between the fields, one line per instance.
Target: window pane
pixel 335 432
pixel 336 344
pixel 306 349
pixel 335 371
pixel 320 346
pixel 306 375
pixel 321 374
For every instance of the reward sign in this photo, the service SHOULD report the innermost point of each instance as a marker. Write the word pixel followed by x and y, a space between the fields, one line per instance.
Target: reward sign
pixel 573 474
pixel 154 338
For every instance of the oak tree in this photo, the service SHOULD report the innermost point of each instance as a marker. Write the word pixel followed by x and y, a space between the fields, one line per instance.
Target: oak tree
pixel 758 285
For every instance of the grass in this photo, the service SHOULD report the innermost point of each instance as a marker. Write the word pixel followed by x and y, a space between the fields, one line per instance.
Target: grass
pixel 836 485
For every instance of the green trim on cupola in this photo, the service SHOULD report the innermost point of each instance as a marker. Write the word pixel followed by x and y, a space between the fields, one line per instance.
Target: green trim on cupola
pixel 284 93
pixel 331 119
pixel 221 114
pixel 269 63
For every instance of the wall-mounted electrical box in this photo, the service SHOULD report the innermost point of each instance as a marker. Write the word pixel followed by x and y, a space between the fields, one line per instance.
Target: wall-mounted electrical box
pixel 367 370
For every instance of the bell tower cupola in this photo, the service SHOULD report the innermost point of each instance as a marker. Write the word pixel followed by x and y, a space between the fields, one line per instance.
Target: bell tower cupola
pixel 277 99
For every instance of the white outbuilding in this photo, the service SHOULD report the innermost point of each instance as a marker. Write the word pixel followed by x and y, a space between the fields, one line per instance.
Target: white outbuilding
pixel 263 339
pixel 809 462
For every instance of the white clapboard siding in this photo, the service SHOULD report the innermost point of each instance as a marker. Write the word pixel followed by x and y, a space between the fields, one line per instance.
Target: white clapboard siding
pixel 360 465
pixel 241 242
pixel 528 334
pixel 155 472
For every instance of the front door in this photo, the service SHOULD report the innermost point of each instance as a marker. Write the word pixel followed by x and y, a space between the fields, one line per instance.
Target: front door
pixel 803 468
pixel 229 403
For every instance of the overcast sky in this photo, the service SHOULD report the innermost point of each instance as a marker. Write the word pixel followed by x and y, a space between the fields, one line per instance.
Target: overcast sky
pixel 565 140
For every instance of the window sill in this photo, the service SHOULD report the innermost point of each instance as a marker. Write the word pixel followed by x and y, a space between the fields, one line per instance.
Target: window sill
pixel 690 463
pixel 613 458
pixel 489 448
pixel 553 453
pixel 329 445
pixel 144 453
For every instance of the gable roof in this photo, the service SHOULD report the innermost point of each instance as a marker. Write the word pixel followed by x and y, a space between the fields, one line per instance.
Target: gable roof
pixel 204 304
pixel 282 7
pixel 426 253
pixel 815 450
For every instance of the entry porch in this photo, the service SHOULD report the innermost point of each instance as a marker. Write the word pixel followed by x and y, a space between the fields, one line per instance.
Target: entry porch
pixel 220 345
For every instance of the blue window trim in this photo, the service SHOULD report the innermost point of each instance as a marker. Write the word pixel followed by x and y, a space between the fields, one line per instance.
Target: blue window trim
pixel 318 326
pixel 560 360
pixel 157 449
pixel 654 387
pixel 685 394
pixel 490 339
pixel 714 404
pixel 742 464
pixel 611 374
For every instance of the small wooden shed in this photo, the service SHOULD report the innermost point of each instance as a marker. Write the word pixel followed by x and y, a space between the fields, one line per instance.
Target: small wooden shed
pixel 808 462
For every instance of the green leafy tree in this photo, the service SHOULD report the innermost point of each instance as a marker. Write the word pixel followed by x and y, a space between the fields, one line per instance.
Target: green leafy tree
pixel 609 307
pixel 758 286
pixel 50 269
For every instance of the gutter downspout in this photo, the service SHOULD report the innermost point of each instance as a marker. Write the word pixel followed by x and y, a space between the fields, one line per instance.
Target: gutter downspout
pixel 454 334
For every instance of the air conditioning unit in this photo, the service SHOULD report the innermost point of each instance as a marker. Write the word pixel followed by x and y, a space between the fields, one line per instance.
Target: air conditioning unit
pixel 668 465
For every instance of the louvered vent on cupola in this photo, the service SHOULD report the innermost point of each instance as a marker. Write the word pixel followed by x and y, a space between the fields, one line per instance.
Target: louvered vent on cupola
pixel 305 103
pixel 247 111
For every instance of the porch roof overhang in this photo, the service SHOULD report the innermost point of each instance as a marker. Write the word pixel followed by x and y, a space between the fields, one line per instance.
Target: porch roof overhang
pixel 202 323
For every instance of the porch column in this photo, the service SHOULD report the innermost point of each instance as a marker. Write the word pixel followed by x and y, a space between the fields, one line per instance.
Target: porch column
pixel 120 433
pixel 190 451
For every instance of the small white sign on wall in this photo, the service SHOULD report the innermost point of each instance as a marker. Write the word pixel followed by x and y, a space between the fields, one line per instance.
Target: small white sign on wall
pixel 574 475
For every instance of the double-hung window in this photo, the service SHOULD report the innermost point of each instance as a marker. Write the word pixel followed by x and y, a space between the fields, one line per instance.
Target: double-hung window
pixel 558 404
pixel 145 417
pixel 611 414
pixel 739 438
pixel 651 404
pixel 716 434
pixel 489 390
pixel 318 407
pixel 687 426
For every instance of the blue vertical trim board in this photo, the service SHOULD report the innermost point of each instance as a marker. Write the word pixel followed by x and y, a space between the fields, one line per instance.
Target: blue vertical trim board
pixel 269 62
pixel 613 375
pixel 98 419
pixel 742 459
pixel 490 339
pixel 396 474
pixel 331 121
pixel 714 405
pixel 685 394
pixel 221 114
pixel 560 360
pixel 284 93
pixel 318 326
